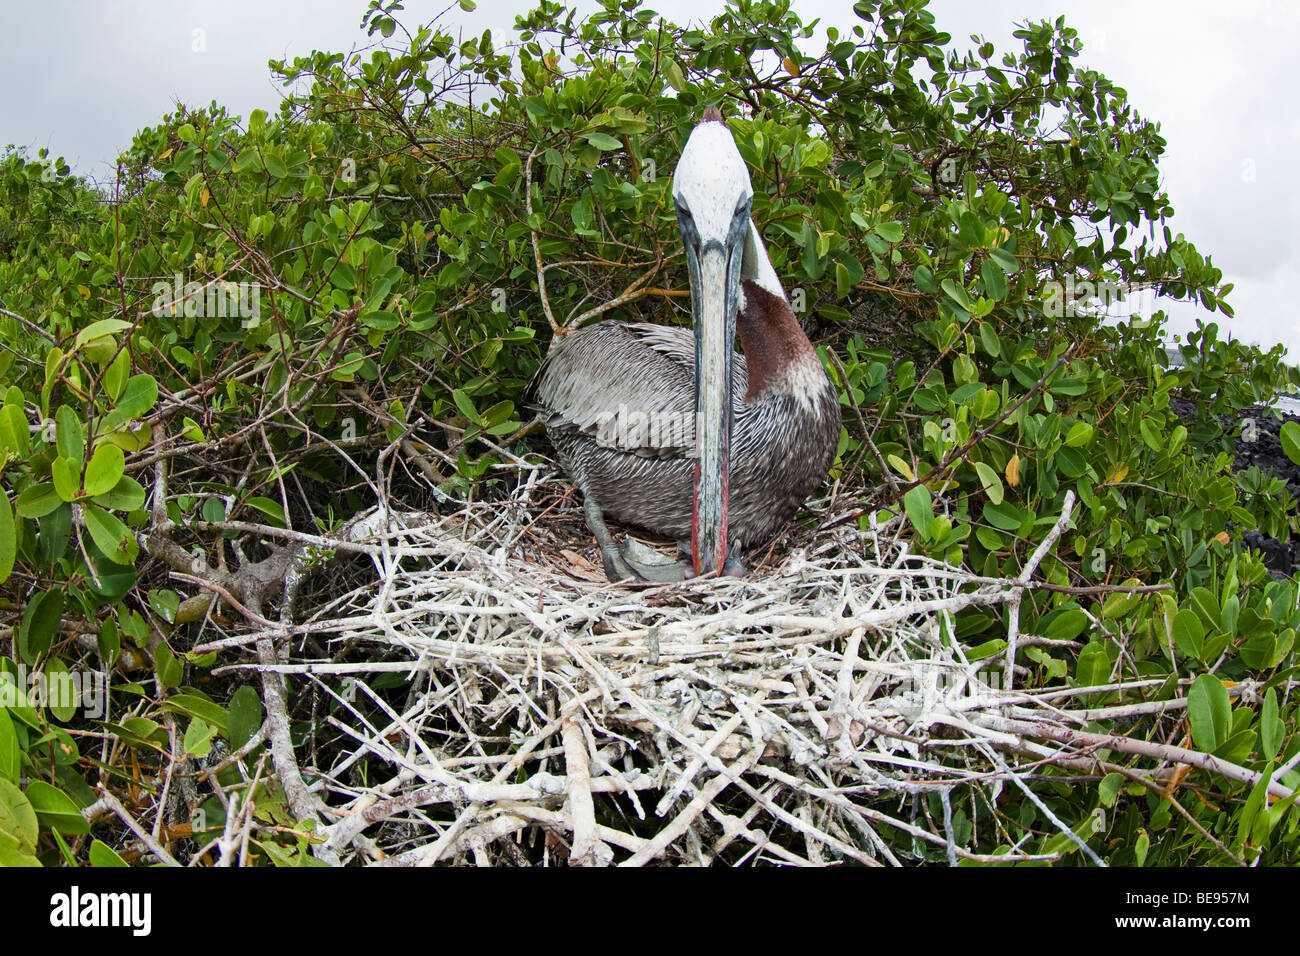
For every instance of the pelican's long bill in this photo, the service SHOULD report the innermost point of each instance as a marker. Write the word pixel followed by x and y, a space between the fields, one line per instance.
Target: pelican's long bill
pixel 713 194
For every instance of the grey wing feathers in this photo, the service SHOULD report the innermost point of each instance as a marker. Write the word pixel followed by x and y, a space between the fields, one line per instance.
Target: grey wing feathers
pixel 626 386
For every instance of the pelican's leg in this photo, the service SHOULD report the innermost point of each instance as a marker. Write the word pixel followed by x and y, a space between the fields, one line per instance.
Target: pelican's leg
pixel 616 568
pixel 732 567
pixel 634 560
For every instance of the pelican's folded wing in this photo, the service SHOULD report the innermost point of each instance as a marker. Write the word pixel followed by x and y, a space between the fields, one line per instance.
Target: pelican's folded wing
pixel 629 387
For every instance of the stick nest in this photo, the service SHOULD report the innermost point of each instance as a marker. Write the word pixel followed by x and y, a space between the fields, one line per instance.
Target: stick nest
pixel 483 695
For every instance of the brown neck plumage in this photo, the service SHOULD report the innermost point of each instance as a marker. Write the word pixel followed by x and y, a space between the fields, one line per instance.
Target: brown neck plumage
pixel 771 338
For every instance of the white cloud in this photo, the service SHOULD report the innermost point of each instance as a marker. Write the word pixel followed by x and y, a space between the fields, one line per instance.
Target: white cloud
pixel 1217 76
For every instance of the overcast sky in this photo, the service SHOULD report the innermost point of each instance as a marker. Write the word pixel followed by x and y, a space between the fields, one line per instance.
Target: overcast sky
pixel 81 78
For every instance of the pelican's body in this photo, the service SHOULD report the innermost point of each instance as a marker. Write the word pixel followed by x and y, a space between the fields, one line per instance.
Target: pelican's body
pixel 782 443
pixel 623 402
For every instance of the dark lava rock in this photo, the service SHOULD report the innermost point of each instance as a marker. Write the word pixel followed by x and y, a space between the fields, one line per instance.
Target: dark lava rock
pixel 1256 439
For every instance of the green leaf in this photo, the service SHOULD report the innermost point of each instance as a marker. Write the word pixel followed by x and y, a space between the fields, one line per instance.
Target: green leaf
pixel 673 75
pixel 920 510
pixel 985 404
pixel 991 481
pixel 139 396
pixel 313 187
pixel 1206 606
pixel 13 856
pixel 1006 516
pixel 105 470
pixel 1109 788
pixel 198 706
pixel 40 622
pixel 165 602
pixel 56 809
pixel 1151 435
pixel 603 141
pixel 38 501
pixel 995 282
pixel 466 406
pixel 115 539
pixel 890 231
pixel 271 509
pixel 275 165
pixel 1065 625
pixel 97 330
pixel 198 738
pixel 101 855
pixel 61 696
pixel 498 413
pixel 344 276
pixel 1209 712
pixel 1086 828
pixel 67 477
pixel 1272 731
pixel 986 650
pixel 109 641
pixel 1119 605
pixel 245 716
pixel 141 732
pixel 989 340
pixel 1291 441
pixel 1231 613
pixel 1080 434
pixel 8 538
pixel 70 438
pixel 956 293
pixel 168 668
pixel 13 431
pixel 116 374
pixel 17 818
pixel 1094 666
pixel 191 431
pixel 1009 263
pixel 10 751
pixel 127 495
pixel 111 580
pixel 924 278
pixel 1189 633
pixel 247 159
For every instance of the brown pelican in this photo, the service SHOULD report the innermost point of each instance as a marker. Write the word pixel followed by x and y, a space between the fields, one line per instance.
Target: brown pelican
pixel 674 432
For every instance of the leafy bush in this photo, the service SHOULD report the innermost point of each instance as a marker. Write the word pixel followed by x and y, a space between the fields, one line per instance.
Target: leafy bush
pixel 253 321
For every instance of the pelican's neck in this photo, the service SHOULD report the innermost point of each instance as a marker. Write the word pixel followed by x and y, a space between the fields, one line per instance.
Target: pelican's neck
pixel 780 359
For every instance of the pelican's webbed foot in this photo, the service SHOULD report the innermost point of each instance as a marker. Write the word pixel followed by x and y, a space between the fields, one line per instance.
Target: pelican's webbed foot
pixel 732 567
pixel 634 560
pixel 651 565
pixel 637 562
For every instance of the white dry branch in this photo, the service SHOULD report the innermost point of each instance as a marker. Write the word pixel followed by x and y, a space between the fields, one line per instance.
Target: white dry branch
pixel 489 698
